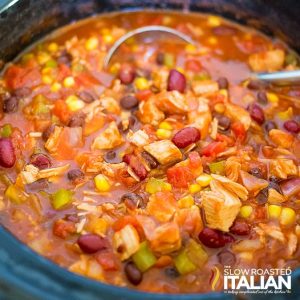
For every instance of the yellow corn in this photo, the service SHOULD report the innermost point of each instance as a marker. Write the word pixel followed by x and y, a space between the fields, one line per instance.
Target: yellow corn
pixel 114 69
pixel 102 184
pixel 190 48
pixel 274 211
pixel 52 47
pixel 214 21
pixel 46 70
pixel 98 226
pixel 219 108
pixel 212 40
pixel 91 43
pixel 69 82
pixel 273 98
pixel 74 103
pixel 141 83
pixel 246 211
pixel 186 202
pixel 163 134
pixel 223 92
pixel 286 115
pixel 204 180
pixel 108 38
pixel 43 57
pixel 181 70
pixel 55 87
pixel 47 79
pixel 165 125
pixel 287 216
pixel 194 188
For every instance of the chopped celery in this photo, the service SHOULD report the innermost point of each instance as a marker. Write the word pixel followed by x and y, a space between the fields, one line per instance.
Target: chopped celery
pixel 217 167
pixel 183 263
pixel 196 253
pixel 51 63
pixel 61 198
pixel 15 195
pixel 144 258
pixel 155 185
pixel 169 60
pixel 6 130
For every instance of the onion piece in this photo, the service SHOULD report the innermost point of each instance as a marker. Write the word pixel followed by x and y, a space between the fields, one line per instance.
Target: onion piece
pixel 290 187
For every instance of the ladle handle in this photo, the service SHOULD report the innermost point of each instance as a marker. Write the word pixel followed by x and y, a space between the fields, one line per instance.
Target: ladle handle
pixel 280 78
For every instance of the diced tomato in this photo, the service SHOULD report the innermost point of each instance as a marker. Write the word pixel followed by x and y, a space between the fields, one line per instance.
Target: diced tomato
pixel 85 79
pixel 179 177
pixel 193 65
pixel 127 220
pixel 143 95
pixel 195 160
pixel 239 131
pixel 93 125
pixel 61 111
pixel 62 228
pixel 17 77
pixel 107 261
pixel 213 149
pixel 63 72
pixel 224 138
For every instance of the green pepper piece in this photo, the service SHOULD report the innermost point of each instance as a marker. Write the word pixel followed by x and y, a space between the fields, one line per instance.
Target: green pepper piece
pixel 6 130
pixel 155 185
pixel 15 195
pixel 217 167
pixel 169 60
pixel 183 264
pixel 51 63
pixel 61 198
pixel 196 253
pixel 201 76
pixel 144 258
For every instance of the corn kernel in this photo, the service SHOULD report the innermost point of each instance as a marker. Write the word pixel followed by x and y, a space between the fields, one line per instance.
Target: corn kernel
pixel 246 211
pixel 163 133
pixel 91 43
pixel 102 184
pixel 141 83
pixel 179 69
pixel 108 39
pixel 214 21
pixel 46 71
pixel 273 98
pixel 224 92
pixel 274 211
pixel 55 87
pixel 165 125
pixel 212 40
pixel 194 188
pixel 69 82
pixel 204 180
pixel 219 108
pixel 74 103
pixel 43 57
pixel 114 69
pixel 286 115
pixel 190 48
pixel 52 47
pixel 98 226
pixel 186 202
pixel 47 79
pixel 287 216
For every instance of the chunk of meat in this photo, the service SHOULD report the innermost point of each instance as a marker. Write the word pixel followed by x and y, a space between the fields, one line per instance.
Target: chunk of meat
pixel 281 138
pixel 109 138
pixel 270 61
pixel 149 113
pixel 171 102
pixel 283 167
pixel 238 114
pixel 164 151
pixel 252 183
pixel 139 138
pixel 204 87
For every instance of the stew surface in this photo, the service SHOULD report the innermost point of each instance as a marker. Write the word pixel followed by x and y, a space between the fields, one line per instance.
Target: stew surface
pixel 167 165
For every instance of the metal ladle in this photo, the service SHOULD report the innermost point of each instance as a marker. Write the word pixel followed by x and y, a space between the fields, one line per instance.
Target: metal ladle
pixel 277 78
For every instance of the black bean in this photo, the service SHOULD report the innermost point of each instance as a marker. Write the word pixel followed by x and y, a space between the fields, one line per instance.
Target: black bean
pixel 223 122
pixel 112 157
pixel 171 272
pixel 133 274
pixel 262 97
pixel 223 83
pixel 150 160
pixel 75 174
pixel 275 186
pixel 41 161
pixel 269 125
pixel 65 58
pixel 10 104
pixel 77 120
pixel 256 172
pixel 256 85
pixel 22 92
pixel 37 186
pixel 86 96
pixel 274 179
pixel 47 132
pixel 262 196
pixel 129 102
pixel 160 58
pixel 132 200
pixel 226 258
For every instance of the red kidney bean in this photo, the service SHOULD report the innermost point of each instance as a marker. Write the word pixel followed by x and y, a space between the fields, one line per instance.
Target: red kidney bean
pixel 223 83
pixel 240 228
pixel 292 126
pixel 112 157
pixel 136 165
pixel 10 104
pixel 127 74
pixel 133 274
pixel 129 102
pixel 186 137
pixel 91 243
pixel 41 161
pixel 256 113
pixel 223 122
pixel 132 200
pixel 226 258
pixel 7 153
pixel 224 30
pixel 262 196
pixel 75 174
pixel 176 81
pixel 150 160
pixel 36 186
pixel 213 238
